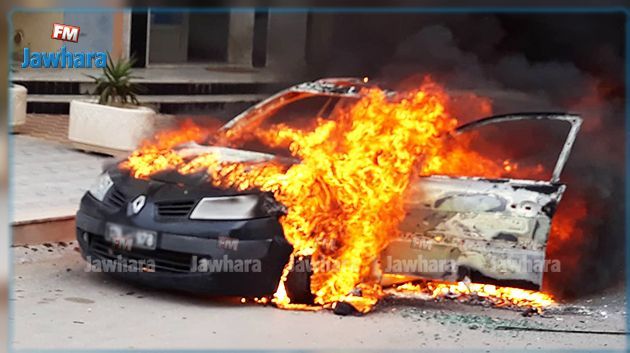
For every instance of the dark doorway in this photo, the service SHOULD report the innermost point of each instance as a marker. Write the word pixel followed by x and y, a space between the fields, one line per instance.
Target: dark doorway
pixel 188 37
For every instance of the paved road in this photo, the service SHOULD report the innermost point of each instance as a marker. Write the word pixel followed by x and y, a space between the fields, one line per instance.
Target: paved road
pixel 56 304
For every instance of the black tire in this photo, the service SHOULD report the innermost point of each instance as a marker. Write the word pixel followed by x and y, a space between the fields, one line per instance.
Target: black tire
pixel 298 284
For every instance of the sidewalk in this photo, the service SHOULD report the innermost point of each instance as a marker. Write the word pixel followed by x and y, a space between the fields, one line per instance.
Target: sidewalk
pixel 48 178
pixel 51 127
pixel 54 127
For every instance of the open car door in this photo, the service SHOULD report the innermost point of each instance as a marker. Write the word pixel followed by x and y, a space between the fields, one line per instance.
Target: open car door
pixel 492 230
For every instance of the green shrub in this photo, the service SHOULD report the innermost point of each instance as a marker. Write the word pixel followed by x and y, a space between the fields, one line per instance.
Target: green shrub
pixel 114 87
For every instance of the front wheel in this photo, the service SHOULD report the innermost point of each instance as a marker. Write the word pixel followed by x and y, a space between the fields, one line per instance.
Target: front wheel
pixel 298 283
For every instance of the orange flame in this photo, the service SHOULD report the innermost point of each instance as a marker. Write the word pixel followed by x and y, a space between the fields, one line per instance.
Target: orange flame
pixel 345 197
pixel 498 296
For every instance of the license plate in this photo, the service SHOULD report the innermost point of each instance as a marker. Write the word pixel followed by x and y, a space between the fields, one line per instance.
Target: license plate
pixel 126 238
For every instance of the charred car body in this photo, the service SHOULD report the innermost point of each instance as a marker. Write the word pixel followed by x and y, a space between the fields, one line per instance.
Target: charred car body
pixel 188 235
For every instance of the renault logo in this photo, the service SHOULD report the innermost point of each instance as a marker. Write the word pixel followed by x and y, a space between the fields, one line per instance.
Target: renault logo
pixel 137 204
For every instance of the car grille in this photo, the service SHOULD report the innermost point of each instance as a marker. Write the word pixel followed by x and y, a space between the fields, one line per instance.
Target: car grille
pixel 165 261
pixel 115 198
pixel 174 208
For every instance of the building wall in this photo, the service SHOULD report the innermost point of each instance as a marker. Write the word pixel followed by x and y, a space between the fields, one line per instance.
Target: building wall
pixel 286 40
pixel 96 30
pixel 32 30
pixel 100 31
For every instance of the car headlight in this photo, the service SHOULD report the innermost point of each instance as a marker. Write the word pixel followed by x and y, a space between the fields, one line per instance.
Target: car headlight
pixel 101 186
pixel 228 208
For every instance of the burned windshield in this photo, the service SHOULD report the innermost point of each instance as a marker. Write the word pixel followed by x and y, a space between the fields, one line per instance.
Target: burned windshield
pixel 301 114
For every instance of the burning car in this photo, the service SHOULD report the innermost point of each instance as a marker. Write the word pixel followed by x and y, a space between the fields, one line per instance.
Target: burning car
pixel 192 235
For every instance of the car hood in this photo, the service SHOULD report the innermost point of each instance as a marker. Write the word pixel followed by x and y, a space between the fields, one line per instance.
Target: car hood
pixel 199 180
pixel 224 154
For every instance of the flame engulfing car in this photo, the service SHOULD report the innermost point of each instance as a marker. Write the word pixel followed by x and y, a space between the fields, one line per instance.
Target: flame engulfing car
pixel 180 232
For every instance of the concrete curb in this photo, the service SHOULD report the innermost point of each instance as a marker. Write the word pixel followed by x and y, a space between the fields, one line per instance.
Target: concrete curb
pixel 43 231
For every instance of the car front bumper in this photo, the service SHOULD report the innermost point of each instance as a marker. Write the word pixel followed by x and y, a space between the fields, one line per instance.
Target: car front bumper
pixel 246 257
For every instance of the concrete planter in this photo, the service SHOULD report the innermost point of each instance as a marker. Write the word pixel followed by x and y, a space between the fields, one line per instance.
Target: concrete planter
pixel 107 129
pixel 17 114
